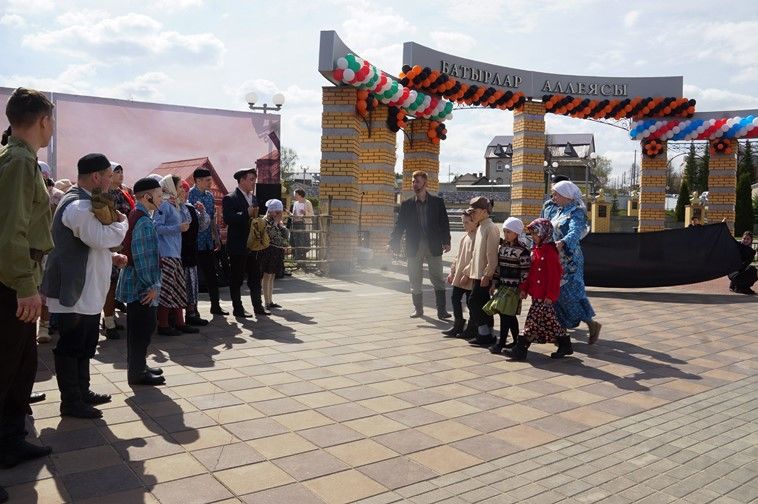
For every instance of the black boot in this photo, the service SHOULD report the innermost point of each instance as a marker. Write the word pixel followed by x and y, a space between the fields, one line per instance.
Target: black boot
pixel 512 343
pixel 441 300
pixel 72 402
pixel 418 306
pixel 564 348
pixel 217 310
pixel 470 332
pixel 14 448
pixel 154 370
pixel 88 396
pixel 456 330
pixel 519 352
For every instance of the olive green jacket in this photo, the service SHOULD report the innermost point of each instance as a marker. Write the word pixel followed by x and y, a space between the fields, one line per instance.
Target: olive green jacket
pixel 25 218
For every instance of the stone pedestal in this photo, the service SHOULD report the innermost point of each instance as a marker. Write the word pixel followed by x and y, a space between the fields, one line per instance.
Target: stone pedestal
pixel 652 214
pixel 339 190
pixel 695 211
pixel 528 179
pixel 601 215
pixel 633 206
pixel 722 188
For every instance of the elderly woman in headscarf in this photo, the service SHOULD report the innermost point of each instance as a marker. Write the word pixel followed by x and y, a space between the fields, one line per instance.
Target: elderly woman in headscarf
pixel 272 257
pixel 169 226
pixel 568 216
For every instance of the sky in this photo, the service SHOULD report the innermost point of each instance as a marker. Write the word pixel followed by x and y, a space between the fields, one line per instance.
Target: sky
pixel 211 53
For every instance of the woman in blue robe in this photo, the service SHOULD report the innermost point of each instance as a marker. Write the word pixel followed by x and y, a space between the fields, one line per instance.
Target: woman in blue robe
pixel 568 214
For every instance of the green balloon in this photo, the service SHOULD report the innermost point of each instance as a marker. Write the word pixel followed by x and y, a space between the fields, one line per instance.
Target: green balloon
pixel 372 82
pixel 352 64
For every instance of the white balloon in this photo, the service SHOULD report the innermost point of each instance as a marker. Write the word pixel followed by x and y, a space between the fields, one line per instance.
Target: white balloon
pixel 341 63
pixel 348 75
pixel 755 122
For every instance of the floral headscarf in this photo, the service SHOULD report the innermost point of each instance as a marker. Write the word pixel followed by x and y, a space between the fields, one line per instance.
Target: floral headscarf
pixel 544 229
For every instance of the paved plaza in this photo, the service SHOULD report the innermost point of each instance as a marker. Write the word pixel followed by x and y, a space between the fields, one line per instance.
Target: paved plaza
pixel 340 397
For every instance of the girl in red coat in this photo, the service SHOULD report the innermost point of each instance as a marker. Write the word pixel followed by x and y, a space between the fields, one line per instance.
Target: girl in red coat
pixel 543 284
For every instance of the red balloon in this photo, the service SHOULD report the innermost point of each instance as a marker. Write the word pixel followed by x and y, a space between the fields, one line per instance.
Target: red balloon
pixel 338 74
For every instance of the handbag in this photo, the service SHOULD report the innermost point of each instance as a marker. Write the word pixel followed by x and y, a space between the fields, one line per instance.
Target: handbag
pixel 506 301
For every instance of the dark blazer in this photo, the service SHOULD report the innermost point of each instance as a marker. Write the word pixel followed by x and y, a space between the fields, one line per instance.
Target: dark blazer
pixel 234 209
pixel 407 222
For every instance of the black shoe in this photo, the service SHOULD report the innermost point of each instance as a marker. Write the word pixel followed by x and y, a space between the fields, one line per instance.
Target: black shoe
pixel 510 345
pixel 188 329
pixel 36 397
pixel 242 314
pixel 154 370
pixel 195 321
pixel 496 349
pixel 456 330
pixel 520 351
pixel 441 301
pixel 483 341
pixel 80 410
pixel 21 451
pixel 564 348
pixel 273 305
pixel 169 331
pixel 112 334
pixel 147 379
pixel 94 399
pixel 217 310
pixel 261 311
pixel 3 495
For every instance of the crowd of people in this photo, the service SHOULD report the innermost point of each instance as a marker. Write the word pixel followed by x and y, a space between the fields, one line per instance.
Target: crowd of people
pixel 494 273
pixel 71 253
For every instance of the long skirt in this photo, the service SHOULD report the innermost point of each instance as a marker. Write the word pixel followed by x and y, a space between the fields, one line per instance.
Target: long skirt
pixel 542 325
pixel 190 275
pixel 573 306
pixel 271 259
pixel 173 284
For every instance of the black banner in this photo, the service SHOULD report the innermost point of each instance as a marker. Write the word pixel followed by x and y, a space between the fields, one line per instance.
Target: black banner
pixel 660 258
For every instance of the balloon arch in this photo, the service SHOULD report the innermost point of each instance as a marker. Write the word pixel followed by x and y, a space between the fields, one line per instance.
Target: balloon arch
pixel 365 107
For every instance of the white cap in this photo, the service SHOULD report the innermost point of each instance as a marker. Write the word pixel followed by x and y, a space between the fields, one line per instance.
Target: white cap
pixel 45 169
pixel 274 205
pixel 514 224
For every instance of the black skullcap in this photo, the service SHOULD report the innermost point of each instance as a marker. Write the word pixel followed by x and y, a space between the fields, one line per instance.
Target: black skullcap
pixel 92 163
pixel 201 172
pixel 241 173
pixel 146 184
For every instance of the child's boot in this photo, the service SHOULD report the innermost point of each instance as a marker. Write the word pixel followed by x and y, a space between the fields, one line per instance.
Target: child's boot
pixel 564 348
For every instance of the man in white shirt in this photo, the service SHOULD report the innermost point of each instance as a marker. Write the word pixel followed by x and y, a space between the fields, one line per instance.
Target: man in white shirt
pixel 76 282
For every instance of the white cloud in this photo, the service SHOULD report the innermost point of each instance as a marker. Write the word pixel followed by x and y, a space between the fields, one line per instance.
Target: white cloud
pixel 511 16
pixel 29 6
pixel 734 43
pixel 175 5
pixel 631 17
pixel 460 41
pixel 719 99
pixel 13 20
pixel 125 38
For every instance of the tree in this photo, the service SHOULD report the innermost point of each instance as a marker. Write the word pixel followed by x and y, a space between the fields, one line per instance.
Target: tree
pixel 703 169
pixel 743 211
pixel 682 201
pixel 602 171
pixel 755 208
pixel 747 164
pixel 615 203
pixel 690 167
pixel 288 165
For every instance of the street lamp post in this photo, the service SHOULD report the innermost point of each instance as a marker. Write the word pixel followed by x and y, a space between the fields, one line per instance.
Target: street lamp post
pixel 593 160
pixel 550 169
pixel 252 98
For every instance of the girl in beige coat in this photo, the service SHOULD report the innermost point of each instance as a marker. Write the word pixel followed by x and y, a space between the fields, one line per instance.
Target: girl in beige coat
pixel 459 275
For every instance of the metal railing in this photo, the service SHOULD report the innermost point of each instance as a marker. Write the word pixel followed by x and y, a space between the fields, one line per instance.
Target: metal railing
pixel 309 238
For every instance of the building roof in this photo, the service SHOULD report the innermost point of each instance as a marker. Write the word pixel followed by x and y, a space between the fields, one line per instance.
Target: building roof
pixel 184 169
pixel 582 143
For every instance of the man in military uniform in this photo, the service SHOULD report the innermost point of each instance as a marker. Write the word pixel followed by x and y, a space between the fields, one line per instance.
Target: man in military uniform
pixel 24 240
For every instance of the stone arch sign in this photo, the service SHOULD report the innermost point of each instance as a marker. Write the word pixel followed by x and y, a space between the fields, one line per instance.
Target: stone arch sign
pixel 366 106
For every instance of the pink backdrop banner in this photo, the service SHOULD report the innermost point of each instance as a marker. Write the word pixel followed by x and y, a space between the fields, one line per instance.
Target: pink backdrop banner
pixel 140 136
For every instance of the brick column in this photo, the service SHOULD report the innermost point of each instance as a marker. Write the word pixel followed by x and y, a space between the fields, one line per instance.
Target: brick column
pixel 422 155
pixel 722 187
pixel 339 175
pixel 528 179
pixel 377 179
pixel 653 191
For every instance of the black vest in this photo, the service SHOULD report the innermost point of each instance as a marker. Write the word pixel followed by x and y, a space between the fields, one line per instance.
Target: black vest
pixel 66 268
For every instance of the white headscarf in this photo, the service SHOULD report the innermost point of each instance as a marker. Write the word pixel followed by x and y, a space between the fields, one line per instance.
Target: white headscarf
pixel 274 205
pixel 167 184
pixel 569 190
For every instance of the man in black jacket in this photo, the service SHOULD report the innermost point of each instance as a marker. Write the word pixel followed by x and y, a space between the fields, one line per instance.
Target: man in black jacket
pixel 423 219
pixel 238 208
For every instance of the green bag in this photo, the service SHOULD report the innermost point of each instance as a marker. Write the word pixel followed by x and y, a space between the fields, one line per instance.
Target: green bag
pixel 506 301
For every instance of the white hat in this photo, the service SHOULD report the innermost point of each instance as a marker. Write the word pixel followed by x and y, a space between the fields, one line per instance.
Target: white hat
pixel 45 169
pixel 274 205
pixel 514 224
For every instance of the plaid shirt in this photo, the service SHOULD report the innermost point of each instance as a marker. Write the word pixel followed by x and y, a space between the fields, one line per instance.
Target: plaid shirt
pixel 135 281
pixel 204 237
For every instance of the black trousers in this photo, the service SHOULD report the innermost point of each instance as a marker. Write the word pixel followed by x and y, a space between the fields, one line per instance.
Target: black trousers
pixel 141 323
pixel 18 366
pixel 78 335
pixel 457 299
pixel 479 297
pixel 508 323
pixel 245 267
pixel 206 262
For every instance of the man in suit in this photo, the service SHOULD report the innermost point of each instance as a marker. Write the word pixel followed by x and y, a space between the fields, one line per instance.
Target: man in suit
pixel 238 208
pixel 423 219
